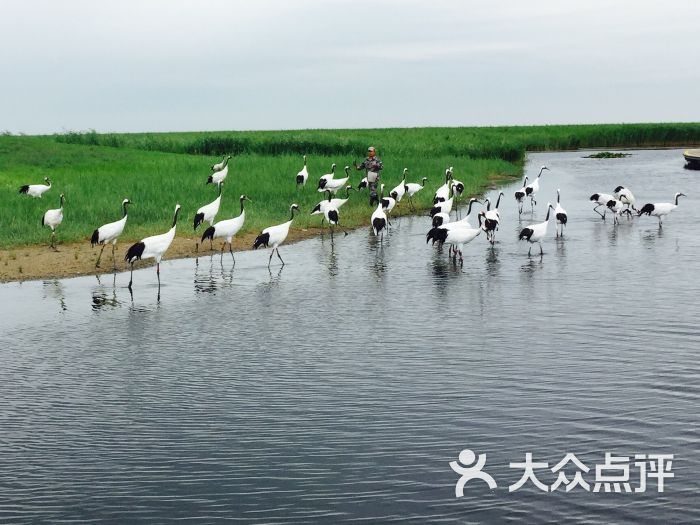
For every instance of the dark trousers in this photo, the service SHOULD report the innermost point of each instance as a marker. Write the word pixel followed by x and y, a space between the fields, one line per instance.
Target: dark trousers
pixel 373 197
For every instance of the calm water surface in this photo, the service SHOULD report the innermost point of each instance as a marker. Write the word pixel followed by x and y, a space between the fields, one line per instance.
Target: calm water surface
pixel 340 388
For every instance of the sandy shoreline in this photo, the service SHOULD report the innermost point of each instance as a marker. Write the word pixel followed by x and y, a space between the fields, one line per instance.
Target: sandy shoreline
pixel 26 263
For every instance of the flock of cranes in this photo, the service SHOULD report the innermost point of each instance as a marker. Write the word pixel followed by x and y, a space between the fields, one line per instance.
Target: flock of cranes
pixel 455 233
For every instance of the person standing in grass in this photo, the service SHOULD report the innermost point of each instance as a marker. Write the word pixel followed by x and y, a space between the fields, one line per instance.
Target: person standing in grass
pixel 372 165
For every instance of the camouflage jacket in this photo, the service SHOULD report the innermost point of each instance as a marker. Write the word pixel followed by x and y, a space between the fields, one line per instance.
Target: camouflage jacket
pixel 369 164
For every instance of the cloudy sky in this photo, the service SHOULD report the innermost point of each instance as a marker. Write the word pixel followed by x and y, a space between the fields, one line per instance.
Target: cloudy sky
pixel 162 65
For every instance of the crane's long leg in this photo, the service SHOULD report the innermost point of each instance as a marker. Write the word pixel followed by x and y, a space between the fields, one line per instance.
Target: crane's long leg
pixel 158 274
pixel 269 261
pixel 541 252
pixel 343 230
pixel 529 252
pixel 279 256
pixel 53 236
pixel 131 276
pixel 97 264
pixel 230 250
pixel 114 257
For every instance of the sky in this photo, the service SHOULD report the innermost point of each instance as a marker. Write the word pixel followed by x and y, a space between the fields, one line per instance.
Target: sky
pixel 190 65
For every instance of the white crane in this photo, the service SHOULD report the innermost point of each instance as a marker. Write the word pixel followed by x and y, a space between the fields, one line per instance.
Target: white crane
pixel 536 232
pixel 218 177
pixel 412 188
pixel 109 233
pixel 226 229
pixel 379 221
pixel 601 199
pixel 520 196
pixel 444 205
pixel 36 190
pixel 443 192
pixel 660 209
pixel 401 188
pixel 492 218
pixel 455 237
pixel 153 247
pixel 616 207
pixel 52 218
pixel 388 203
pixel 460 223
pixel 221 165
pixel 457 185
pixel 275 235
pixel 335 184
pixel 532 188
pixel 332 214
pixel 561 216
pixel 323 180
pixel 440 219
pixel 626 197
pixel 320 208
pixel 303 175
pixel 443 221
pixel 208 213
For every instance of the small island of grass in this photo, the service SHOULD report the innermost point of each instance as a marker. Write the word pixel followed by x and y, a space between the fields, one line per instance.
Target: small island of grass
pixel 607 155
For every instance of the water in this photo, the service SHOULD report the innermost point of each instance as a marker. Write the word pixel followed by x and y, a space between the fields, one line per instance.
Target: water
pixel 340 387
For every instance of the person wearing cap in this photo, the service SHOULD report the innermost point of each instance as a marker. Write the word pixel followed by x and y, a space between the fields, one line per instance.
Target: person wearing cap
pixel 372 165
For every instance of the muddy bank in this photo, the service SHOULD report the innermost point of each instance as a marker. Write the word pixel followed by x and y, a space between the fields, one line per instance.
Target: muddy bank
pixel 73 259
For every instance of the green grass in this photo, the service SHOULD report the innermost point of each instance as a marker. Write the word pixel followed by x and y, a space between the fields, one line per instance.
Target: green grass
pixel 156 170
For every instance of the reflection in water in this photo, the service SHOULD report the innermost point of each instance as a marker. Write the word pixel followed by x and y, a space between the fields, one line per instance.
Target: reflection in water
pixel 100 298
pixel 492 260
pixel 211 275
pixel 55 290
pixel 140 294
pixel 204 281
pixel 561 246
pixel 376 247
pixel 332 262
pixel 444 272
pixel 275 279
pixel 533 263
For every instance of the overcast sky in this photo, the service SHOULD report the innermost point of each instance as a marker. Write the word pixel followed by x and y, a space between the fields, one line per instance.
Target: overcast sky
pixel 168 65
